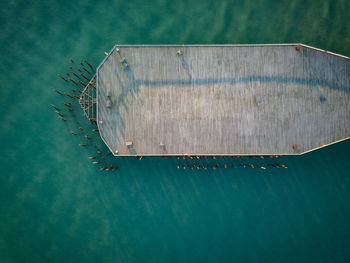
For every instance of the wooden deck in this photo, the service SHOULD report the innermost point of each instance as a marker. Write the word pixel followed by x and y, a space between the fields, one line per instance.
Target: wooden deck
pixel 222 99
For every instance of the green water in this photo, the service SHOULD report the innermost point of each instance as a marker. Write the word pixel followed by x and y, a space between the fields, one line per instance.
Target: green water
pixel 56 206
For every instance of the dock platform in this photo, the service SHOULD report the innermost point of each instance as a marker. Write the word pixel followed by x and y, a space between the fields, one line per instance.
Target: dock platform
pixel 281 99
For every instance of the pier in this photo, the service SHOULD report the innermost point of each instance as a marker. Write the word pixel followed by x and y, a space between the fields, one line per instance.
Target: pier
pixel 281 99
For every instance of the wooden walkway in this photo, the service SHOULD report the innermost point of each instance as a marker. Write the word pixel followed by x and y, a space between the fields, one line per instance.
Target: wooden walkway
pixel 222 99
pixel 87 100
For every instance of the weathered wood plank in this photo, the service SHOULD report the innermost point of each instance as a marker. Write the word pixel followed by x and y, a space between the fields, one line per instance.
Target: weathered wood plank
pixel 228 99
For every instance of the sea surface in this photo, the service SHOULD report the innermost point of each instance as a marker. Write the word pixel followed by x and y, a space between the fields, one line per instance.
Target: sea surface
pixel 56 206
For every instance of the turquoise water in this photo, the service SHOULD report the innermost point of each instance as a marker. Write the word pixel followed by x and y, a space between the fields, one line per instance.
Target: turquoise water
pixel 56 206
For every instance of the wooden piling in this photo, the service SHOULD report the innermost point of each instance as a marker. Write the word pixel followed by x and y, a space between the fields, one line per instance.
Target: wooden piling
pixel 73 81
pixel 53 106
pixel 58 92
pixel 75 75
pixel 86 70
pixel 62 77
pixel 88 64
pixel 84 77
pixel 60 114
